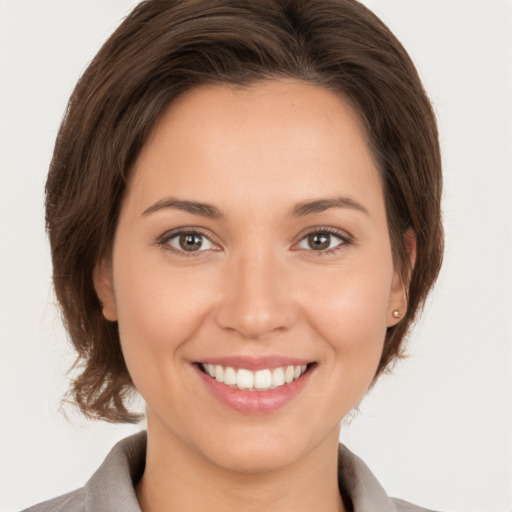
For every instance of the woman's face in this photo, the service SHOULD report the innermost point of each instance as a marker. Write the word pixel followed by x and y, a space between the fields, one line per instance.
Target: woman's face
pixel 252 239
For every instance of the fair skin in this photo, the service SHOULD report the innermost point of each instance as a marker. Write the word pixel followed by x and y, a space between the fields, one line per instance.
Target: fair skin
pixel 289 261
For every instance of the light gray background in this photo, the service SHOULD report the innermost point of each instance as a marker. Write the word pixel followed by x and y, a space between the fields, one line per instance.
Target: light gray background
pixel 439 431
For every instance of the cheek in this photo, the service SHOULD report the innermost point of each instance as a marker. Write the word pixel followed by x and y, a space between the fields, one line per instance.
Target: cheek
pixel 348 311
pixel 350 306
pixel 158 312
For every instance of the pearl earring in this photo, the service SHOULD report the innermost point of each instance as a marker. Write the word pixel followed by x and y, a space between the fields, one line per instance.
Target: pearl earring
pixel 396 314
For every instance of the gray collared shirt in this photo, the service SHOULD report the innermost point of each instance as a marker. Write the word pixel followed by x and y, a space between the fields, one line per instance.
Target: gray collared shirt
pixel 111 487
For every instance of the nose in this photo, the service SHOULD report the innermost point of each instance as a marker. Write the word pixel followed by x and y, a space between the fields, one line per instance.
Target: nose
pixel 256 299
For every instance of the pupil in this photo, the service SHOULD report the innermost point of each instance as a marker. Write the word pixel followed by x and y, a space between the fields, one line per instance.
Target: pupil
pixel 319 241
pixel 190 242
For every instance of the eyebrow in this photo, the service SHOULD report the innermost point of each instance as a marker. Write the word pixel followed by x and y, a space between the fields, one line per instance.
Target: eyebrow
pixel 320 205
pixel 211 212
pixel 194 207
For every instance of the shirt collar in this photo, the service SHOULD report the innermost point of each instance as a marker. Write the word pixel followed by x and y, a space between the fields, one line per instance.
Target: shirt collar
pixel 111 487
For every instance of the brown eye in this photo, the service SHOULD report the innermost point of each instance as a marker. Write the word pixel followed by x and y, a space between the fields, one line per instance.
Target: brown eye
pixel 319 241
pixel 189 242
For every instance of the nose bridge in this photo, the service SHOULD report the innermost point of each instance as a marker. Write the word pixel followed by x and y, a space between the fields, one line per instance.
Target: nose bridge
pixel 255 302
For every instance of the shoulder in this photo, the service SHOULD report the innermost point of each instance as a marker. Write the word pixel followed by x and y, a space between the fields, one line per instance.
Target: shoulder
pixel 358 483
pixel 111 487
pixel 404 506
pixel 70 502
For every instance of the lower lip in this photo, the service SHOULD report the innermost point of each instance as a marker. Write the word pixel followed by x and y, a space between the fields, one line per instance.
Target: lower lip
pixel 255 402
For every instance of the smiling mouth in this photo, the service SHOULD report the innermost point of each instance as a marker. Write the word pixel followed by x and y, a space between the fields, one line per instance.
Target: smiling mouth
pixel 261 380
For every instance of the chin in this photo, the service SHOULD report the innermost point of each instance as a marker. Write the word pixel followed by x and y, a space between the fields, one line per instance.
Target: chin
pixel 257 451
pixel 256 459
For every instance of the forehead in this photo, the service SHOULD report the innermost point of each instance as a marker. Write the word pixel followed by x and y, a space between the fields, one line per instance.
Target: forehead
pixel 277 141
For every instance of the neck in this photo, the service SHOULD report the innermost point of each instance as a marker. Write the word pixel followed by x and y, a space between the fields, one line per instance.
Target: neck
pixel 177 478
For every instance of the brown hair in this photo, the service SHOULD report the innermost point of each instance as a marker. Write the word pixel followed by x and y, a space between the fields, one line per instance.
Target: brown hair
pixel 167 47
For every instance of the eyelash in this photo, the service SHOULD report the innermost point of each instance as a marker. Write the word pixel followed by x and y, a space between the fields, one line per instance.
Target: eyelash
pixel 345 240
pixel 163 241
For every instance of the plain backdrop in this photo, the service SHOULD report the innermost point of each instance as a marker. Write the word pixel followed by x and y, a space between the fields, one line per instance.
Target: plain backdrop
pixel 439 431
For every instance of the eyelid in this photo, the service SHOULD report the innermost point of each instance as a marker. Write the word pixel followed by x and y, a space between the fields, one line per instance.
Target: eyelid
pixel 163 240
pixel 345 237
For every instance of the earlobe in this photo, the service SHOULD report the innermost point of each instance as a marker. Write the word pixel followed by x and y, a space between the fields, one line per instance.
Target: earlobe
pixel 397 306
pixel 102 279
pixel 398 299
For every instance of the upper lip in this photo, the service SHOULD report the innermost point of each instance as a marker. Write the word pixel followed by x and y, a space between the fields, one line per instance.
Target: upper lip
pixel 255 363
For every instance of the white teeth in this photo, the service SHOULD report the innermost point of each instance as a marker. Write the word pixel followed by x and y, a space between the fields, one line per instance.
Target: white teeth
pixel 230 376
pixel 263 379
pixel 244 379
pixel 219 373
pixel 260 380
pixel 278 377
pixel 288 374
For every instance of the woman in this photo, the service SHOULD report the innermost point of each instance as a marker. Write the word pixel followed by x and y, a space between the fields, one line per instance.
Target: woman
pixel 244 213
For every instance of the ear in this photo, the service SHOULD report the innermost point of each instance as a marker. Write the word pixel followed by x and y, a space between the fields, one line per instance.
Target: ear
pixel 102 279
pixel 398 297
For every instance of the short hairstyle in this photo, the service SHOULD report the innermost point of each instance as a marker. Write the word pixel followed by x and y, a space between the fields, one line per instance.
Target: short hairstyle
pixel 165 48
